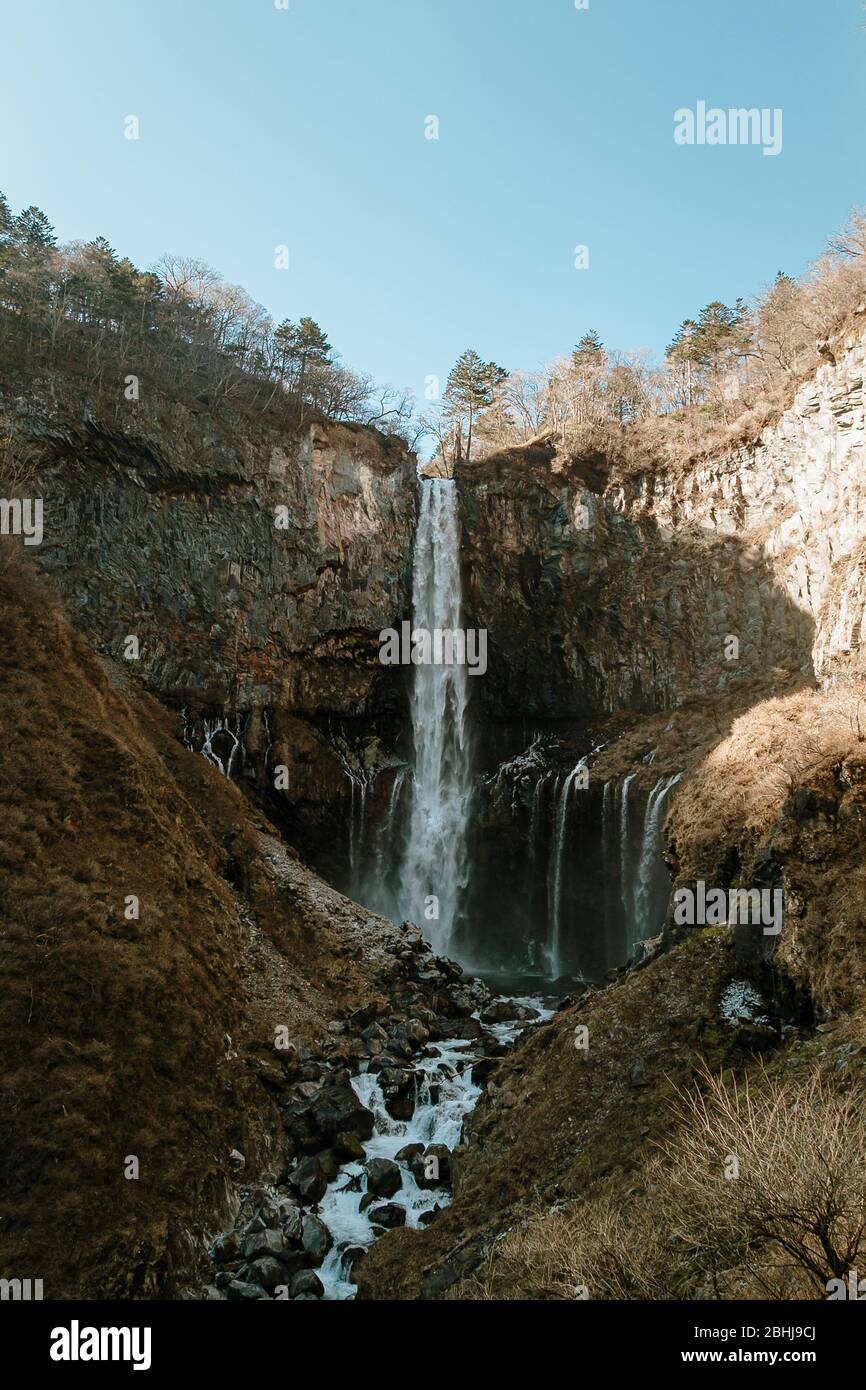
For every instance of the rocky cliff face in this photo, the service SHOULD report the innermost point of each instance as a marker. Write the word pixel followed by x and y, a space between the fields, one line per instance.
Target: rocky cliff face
pixel 254 569
pixel 603 592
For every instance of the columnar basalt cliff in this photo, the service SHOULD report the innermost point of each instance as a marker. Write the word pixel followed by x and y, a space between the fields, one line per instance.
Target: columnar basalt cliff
pixel 603 591
pixel 256 569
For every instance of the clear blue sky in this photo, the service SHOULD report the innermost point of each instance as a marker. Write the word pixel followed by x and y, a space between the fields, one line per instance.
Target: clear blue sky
pixel 261 126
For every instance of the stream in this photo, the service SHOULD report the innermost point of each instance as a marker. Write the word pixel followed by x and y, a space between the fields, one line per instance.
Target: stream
pixel 445 1094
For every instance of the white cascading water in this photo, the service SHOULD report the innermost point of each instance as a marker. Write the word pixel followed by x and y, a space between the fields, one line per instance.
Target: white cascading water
pixel 554 949
pixel 650 856
pixel 434 862
pixel 632 850
pixel 624 878
pixel 445 1094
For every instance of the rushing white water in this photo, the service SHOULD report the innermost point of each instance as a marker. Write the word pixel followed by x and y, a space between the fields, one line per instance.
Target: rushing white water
pixel 554 950
pixel 445 1094
pixel 624 871
pixel 228 733
pixel 434 861
pixel 649 866
pixel 631 853
pixel 357 826
pixel 434 1122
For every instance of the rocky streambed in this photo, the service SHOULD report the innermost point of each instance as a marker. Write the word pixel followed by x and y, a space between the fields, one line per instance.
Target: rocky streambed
pixel 374 1120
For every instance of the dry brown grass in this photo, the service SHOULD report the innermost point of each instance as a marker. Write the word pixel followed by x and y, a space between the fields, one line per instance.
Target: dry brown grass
pixel 773 747
pixel 792 1219
pixel 785 793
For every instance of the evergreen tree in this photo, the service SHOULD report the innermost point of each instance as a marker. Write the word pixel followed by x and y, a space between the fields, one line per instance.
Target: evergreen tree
pixel 33 234
pixel 301 348
pixel 589 352
pixel 472 386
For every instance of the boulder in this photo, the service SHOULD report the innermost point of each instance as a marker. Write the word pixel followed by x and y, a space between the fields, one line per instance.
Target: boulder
pixel 409 1151
pixel 433 1167
pixel 316 1239
pixel 398 1090
pixel 483 1069
pixel 329 1162
pixel 292 1223
pixel 268 1272
pixel 226 1247
pixel 351 1254
pixel 453 1029
pixel 383 1177
pixel 389 1214
pixel 349 1148
pixel 336 1109
pixel 308 1180
pixel 240 1290
pixel 508 1011
pixel 306 1284
pixel 265 1243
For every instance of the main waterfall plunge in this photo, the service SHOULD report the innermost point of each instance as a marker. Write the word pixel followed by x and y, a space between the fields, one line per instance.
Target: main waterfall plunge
pixel 420 860
pixel 434 865
pixel 532 869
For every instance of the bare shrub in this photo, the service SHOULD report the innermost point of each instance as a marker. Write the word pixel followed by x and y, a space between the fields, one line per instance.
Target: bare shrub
pixel 796 1213
pixel 793 1218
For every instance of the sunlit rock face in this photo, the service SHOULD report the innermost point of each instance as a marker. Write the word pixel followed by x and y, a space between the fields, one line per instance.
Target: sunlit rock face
pixel 604 592
pixel 799 499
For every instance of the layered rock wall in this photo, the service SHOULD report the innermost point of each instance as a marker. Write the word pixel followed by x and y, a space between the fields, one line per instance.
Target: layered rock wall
pixel 604 592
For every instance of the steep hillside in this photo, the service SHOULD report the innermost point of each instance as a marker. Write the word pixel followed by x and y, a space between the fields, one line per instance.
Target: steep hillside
pixel 151 1035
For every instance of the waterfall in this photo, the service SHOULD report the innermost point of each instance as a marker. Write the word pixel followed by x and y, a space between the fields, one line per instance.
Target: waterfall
pixel 221 739
pixel 434 863
pixel 610 853
pixel 560 837
pixel 624 855
pixel 378 886
pixel 650 867
pixel 357 821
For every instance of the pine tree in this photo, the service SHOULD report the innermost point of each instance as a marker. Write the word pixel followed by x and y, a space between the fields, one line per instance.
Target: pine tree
pixel 472 385
pixel 33 234
pixel 589 352
pixel 301 347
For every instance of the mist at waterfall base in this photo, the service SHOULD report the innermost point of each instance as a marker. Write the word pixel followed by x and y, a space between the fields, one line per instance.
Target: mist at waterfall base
pixel 536 873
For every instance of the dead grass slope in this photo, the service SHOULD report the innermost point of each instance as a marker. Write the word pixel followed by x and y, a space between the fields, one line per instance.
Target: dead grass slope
pixel 783 798
pixel 147 1036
